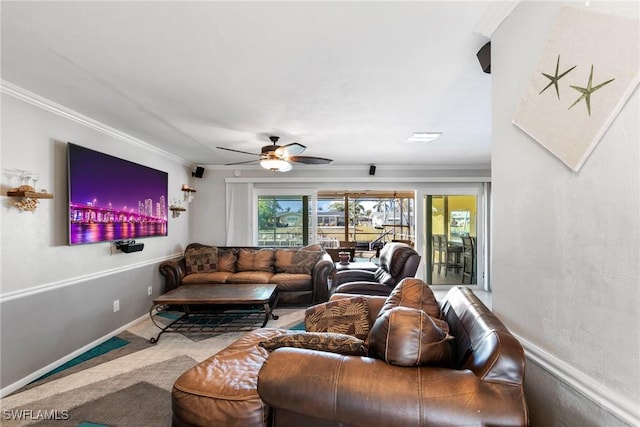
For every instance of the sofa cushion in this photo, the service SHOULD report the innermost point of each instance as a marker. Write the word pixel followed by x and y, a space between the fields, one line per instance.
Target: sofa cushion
pixel 408 337
pixel 305 259
pixel 346 316
pixel 227 260
pixel 201 259
pixel 283 258
pixel 209 277
pixel 321 341
pixel 292 282
pixel 250 277
pixel 413 293
pixel 255 260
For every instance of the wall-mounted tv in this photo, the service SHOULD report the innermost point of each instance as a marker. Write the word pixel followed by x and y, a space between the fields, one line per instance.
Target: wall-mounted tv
pixel 113 199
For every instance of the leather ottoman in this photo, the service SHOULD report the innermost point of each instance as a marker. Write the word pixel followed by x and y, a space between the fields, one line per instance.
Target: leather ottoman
pixel 222 390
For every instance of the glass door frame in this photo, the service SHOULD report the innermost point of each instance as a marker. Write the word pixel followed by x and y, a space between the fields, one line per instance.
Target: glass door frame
pixel 482 193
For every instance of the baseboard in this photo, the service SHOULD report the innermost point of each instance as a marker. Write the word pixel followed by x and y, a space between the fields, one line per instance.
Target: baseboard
pixel 40 372
pixel 613 402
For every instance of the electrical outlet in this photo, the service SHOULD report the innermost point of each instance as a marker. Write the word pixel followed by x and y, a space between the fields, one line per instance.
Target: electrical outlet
pixel 149 290
pixel 116 305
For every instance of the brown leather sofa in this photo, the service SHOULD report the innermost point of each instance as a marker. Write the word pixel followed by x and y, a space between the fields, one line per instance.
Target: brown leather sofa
pixel 397 261
pixel 246 264
pixel 320 389
pixel 246 386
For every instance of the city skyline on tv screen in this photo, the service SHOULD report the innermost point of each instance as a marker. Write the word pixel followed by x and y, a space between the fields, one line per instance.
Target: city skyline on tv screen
pixel 114 199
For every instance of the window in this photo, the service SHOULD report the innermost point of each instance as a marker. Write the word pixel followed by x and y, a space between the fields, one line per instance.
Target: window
pixel 366 218
pixel 283 220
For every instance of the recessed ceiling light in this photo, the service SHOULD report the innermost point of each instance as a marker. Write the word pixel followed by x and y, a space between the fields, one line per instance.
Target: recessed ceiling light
pixel 423 137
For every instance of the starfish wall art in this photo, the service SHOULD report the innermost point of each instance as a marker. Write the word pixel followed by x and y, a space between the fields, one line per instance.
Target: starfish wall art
pixel 580 82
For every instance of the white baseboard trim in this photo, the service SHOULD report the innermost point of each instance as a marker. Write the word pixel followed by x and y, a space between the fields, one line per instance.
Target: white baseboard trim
pixel 9 296
pixel 40 372
pixel 615 403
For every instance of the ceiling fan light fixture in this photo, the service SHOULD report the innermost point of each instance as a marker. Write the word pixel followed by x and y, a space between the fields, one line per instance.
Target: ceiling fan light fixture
pixel 276 165
pixel 423 137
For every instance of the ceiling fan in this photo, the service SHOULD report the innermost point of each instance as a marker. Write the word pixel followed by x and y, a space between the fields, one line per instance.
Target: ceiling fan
pixel 278 158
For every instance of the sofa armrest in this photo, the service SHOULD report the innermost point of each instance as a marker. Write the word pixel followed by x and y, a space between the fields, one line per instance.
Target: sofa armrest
pixel 361 391
pixel 367 288
pixel 173 271
pixel 320 275
pixel 346 276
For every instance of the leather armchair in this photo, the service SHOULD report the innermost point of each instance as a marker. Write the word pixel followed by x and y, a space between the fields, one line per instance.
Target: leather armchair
pixel 397 261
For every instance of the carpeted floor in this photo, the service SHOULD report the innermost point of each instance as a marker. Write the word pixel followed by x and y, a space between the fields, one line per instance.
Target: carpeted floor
pixel 127 386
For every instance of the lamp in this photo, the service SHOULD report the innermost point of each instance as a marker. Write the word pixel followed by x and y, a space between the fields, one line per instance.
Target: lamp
pixel 276 165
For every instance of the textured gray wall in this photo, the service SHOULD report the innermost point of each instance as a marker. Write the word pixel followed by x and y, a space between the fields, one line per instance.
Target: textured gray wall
pixel 54 298
pixel 566 258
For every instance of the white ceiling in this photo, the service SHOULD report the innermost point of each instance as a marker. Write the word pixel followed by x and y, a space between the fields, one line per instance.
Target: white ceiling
pixel 350 80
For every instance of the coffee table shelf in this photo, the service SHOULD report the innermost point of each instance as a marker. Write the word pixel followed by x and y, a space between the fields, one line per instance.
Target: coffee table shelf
pixel 225 308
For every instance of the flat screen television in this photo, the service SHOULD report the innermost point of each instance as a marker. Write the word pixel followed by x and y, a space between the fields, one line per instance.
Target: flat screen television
pixel 113 199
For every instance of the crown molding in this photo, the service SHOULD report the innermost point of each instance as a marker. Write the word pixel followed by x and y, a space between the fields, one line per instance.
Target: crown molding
pixel 493 16
pixel 356 179
pixel 24 95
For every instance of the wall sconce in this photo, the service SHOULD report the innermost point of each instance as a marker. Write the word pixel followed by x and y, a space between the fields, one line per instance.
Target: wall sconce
pixel 187 193
pixel 175 206
pixel 28 194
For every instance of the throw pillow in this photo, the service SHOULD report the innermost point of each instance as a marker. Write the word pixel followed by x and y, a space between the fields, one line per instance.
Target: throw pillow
pixel 305 259
pixel 413 293
pixel 283 259
pixel 201 259
pixel 334 343
pixel 345 316
pixel 408 337
pixel 255 260
pixel 227 260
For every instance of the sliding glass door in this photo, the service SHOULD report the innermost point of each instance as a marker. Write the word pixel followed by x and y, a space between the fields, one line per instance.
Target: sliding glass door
pixel 454 238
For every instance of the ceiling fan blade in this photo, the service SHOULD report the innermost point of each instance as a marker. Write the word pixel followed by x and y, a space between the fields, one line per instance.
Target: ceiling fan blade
pixel 289 150
pixel 238 151
pixel 310 160
pixel 242 163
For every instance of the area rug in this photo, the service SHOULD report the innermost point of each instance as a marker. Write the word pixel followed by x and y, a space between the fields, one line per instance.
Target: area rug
pixel 141 397
pixel 126 388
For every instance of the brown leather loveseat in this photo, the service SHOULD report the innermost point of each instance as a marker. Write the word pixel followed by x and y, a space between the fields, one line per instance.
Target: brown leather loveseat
pixel 485 387
pixel 474 379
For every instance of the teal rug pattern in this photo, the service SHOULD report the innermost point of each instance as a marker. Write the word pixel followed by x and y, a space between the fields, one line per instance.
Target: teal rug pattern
pixel 110 344
pixel 124 382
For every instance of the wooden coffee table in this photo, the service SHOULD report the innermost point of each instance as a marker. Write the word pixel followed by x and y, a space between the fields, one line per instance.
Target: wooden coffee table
pixel 225 308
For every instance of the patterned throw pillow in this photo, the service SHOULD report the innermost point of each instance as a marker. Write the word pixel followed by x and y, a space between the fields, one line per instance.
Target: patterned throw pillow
pixel 406 336
pixel 333 343
pixel 201 260
pixel 305 259
pixel 345 316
